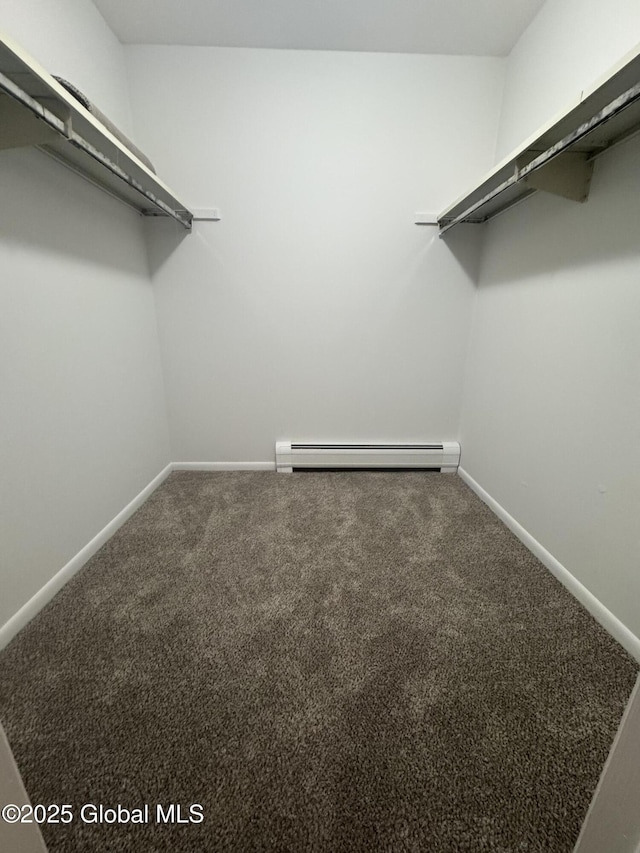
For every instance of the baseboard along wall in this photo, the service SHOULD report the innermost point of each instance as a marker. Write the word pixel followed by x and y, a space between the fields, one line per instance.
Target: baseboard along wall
pixel 28 611
pixel 601 614
pixel 47 592
pixel 44 595
pixel 224 466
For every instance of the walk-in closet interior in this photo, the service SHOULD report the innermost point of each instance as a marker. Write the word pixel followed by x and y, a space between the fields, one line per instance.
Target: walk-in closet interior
pixel 320 426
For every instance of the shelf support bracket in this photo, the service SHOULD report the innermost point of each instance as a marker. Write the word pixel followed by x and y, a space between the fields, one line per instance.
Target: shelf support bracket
pixel 568 175
pixel 20 128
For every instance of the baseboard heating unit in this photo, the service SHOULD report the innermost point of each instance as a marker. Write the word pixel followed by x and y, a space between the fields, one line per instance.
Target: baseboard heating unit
pixel 291 456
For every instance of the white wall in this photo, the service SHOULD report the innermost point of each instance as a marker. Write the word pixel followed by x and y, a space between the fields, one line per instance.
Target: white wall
pixel 83 422
pixel 551 419
pixel 315 308
pixel 613 820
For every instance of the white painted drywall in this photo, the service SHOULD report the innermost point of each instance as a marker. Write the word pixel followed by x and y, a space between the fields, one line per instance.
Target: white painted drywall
pixel 83 423
pixel 315 308
pixel 613 820
pixel 16 837
pixel 480 28
pixel 551 416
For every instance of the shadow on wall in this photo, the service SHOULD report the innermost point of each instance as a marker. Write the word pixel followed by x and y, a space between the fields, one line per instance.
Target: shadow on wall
pixel 547 234
pixel 48 208
pixel 465 244
pixel 163 236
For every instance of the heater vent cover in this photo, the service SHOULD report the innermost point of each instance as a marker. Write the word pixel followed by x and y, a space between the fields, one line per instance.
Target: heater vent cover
pixel 443 456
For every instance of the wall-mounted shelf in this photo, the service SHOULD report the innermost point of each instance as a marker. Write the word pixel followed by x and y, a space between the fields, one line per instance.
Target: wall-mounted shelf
pixel 559 157
pixel 35 110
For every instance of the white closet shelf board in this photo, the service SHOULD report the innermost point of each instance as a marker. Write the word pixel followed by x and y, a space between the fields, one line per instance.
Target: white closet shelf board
pixel 35 110
pixel 559 157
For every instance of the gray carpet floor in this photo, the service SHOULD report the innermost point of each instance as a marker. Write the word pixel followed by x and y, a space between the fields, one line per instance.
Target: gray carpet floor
pixel 325 662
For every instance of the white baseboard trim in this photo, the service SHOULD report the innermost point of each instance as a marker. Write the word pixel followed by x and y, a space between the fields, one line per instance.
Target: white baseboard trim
pixel 601 614
pixel 47 592
pixel 224 466
pixel 611 623
pixel 55 584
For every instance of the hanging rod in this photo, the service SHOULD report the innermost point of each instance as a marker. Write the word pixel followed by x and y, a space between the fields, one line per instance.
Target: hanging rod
pixel 473 212
pixel 65 130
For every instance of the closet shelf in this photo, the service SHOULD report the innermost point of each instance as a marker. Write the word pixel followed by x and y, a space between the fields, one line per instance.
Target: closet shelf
pixel 35 110
pixel 559 157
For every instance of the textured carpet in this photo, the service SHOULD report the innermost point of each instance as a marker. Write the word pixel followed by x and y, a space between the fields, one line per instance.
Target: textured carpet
pixel 325 662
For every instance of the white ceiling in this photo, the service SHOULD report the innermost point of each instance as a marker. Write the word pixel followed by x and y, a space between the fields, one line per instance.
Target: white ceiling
pixel 480 27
